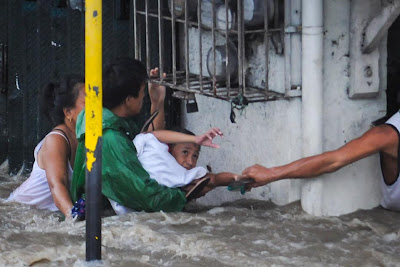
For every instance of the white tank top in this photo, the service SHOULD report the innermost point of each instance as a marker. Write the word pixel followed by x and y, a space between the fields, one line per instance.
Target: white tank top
pixel 35 190
pixel 391 193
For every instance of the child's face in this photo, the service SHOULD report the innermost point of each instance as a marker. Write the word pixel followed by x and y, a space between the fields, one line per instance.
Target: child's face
pixel 186 154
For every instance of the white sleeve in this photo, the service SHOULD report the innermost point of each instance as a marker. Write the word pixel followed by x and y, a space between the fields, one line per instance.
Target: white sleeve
pixel 139 141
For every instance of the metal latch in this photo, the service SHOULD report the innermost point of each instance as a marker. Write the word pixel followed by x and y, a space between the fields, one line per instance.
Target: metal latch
pixel 191 103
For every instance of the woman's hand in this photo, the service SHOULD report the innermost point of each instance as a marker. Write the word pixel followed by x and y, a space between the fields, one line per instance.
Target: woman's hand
pixel 156 91
pixel 206 139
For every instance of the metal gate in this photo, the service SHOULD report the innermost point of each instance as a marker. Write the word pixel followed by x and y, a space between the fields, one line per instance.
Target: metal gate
pixel 40 41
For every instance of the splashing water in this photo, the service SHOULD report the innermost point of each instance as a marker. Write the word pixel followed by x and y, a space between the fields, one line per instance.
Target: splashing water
pixel 242 233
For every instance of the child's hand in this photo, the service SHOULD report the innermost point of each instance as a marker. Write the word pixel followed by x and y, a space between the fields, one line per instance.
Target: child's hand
pixel 207 138
pixel 156 91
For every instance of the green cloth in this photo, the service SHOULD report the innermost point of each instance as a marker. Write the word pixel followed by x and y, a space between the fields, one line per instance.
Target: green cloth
pixel 123 177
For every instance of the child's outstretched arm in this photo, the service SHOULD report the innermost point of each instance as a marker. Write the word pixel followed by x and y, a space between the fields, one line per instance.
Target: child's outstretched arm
pixel 171 137
pixel 221 179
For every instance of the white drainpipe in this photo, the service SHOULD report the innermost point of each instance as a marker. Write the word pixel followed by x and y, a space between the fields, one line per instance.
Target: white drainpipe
pixel 312 98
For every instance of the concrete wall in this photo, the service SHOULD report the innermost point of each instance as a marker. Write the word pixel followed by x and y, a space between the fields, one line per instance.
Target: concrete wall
pixel 270 133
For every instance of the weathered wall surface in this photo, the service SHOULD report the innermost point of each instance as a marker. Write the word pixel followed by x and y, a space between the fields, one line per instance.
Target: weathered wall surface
pixel 270 133
pixel 357 185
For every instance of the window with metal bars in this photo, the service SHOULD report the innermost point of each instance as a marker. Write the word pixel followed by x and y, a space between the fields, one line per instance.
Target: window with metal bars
pixel 210 45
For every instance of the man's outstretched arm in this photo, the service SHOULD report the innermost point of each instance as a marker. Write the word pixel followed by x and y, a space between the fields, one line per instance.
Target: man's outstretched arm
pixel 381 138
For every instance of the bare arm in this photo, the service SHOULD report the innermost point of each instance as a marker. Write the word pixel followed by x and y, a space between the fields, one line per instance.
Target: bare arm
pixel 171 137
pixel 221 179
pixel 53 158
pixel 157 97
pixel 381 138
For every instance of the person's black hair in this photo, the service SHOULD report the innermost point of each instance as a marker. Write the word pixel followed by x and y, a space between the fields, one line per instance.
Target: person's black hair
pixel 181 130
pixel 122 78
pixel 55 96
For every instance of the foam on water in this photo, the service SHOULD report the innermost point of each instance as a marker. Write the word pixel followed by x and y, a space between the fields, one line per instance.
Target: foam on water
pixel 243 233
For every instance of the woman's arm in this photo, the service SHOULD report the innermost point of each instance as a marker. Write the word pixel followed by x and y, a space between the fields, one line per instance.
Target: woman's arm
pixel 157 96
pixel 53 158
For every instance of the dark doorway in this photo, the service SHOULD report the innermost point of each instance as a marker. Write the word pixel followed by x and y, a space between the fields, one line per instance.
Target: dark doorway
pixel 393 68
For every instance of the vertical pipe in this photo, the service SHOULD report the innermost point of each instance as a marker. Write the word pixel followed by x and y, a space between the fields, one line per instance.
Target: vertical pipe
pixel 93 142
pixel 312 98
pixel 160 39
pixel 214 25
pixel 136 32
pixel 240 45
pixel 266 43
pixel 147 36
pixel 228 73
pixel 200 46
pixel 173 32
pixel 187 44
pixel 312 76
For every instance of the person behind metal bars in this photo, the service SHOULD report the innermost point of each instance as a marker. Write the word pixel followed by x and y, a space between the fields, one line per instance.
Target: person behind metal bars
pixel 124 180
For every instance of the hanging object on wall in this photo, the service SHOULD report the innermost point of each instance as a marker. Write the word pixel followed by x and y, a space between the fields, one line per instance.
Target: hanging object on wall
pixel 239 103
pixel 253 12
pixel 221 70
pixel 179 7
pixel 221 19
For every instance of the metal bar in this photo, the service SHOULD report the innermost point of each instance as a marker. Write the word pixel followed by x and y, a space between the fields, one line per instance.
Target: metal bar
pixel 4 88
pixel 131 36
pixel 160 39
pixel 173 32
pixel 200 46
pixel 147 37
pixel 266 43
pixel 196 24
pixel 186 44
pixel 240 44
pixel 287 47
pixel 93 141
pixel 135 28
pixel 214 24
pixel 228 73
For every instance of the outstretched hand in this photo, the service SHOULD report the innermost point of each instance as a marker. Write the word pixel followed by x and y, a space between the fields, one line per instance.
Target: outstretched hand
pixel 206 139
pixel 260 174
pixel 156 91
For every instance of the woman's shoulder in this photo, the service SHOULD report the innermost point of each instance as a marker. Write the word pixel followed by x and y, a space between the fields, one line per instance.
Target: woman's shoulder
pixel 56 140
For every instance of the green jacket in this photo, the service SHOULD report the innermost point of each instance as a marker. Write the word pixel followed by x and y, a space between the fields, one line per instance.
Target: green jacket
pixel 123 177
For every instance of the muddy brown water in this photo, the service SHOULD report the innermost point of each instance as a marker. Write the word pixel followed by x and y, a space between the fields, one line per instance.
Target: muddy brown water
pixel 241 233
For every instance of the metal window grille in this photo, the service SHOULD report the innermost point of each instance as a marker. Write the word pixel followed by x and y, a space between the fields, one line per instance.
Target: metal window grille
pixel 221 26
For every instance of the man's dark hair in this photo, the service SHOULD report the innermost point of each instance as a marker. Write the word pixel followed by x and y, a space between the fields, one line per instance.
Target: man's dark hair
pixel 122 78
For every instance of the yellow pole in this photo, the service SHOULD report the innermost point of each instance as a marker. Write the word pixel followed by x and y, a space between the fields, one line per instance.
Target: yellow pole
pixel 93 143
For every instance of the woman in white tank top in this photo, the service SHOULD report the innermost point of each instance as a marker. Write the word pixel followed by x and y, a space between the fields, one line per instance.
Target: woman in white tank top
pixel 48 185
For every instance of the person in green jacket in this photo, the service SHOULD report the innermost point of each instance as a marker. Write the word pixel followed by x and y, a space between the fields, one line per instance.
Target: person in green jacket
pixel 124 180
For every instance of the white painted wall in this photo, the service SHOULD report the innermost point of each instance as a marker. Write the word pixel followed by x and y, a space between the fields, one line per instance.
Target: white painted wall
pixel 270 133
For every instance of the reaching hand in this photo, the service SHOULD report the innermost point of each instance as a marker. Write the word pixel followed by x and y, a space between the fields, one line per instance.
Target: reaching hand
pixel 260 174
pixel 156 91
pixel 206 139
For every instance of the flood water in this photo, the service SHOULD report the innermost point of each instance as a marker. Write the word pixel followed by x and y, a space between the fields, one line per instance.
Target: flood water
pixel 241 233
